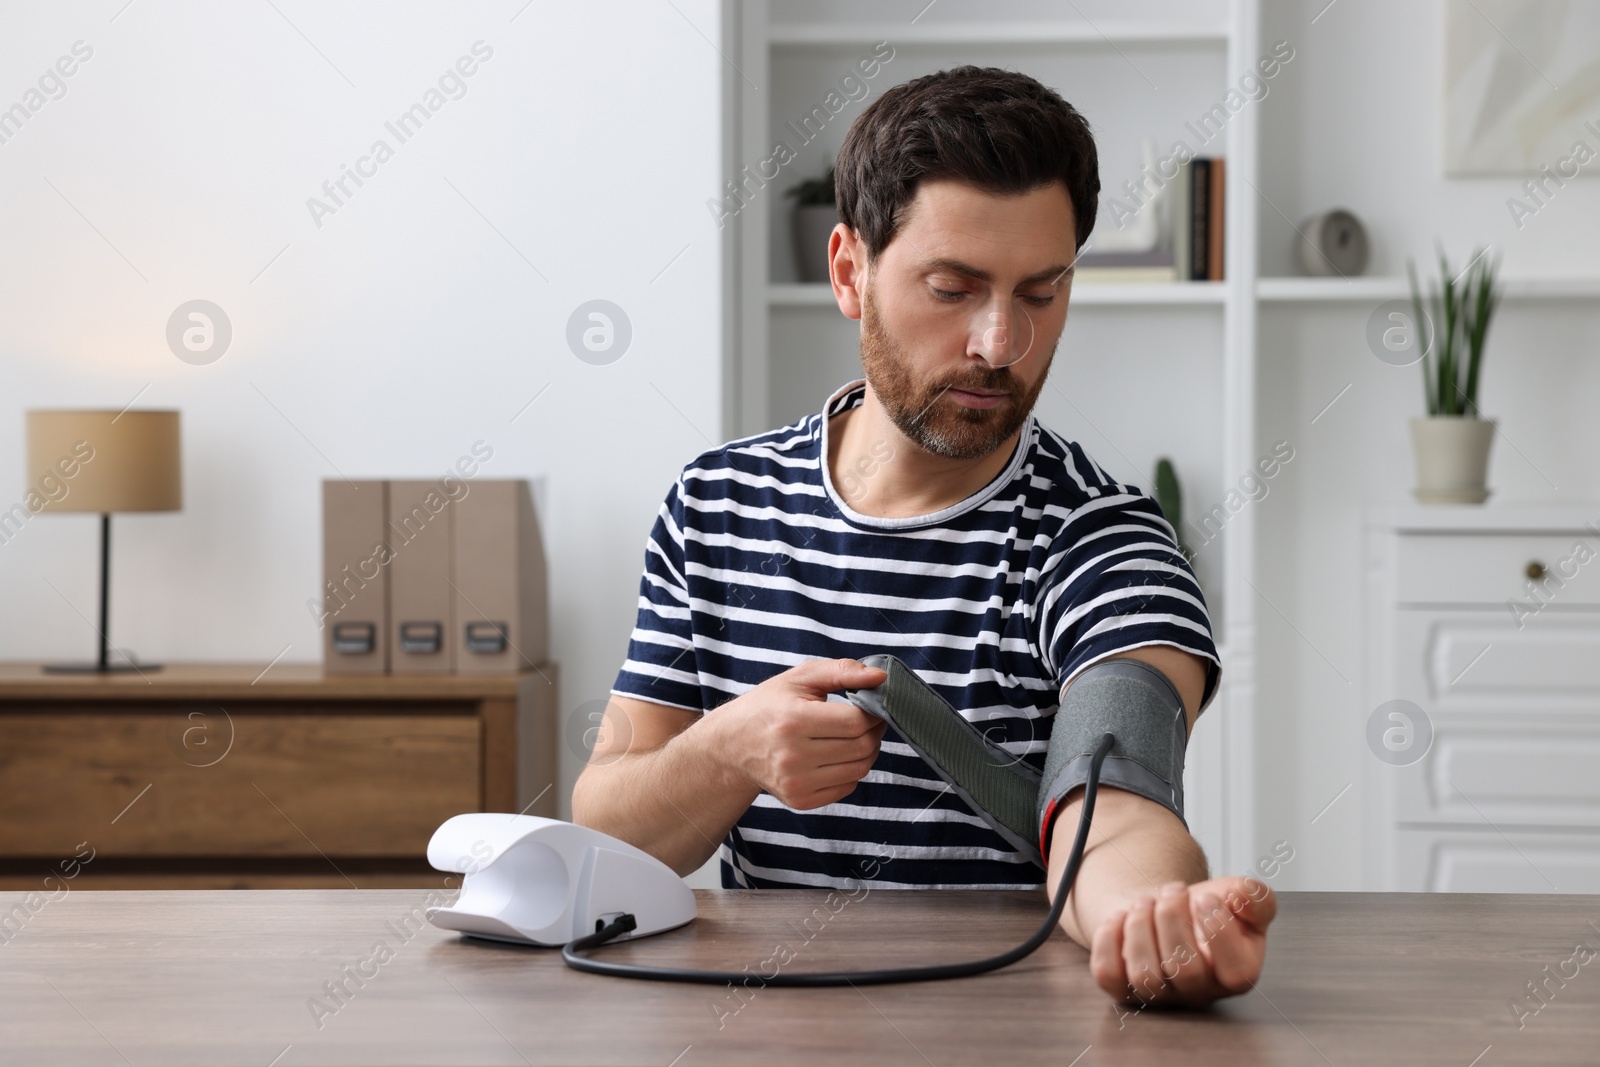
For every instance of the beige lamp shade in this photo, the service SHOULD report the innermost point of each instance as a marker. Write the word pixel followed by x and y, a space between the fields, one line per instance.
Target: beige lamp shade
pixel 106 461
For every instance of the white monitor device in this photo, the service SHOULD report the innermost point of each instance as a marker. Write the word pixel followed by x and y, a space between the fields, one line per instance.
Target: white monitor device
pixel 542 881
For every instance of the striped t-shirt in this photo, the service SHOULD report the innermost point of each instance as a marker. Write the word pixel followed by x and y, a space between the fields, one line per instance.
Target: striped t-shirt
pixel 756 563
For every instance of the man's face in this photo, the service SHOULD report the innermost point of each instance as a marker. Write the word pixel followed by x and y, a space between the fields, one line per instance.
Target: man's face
pixel 961 314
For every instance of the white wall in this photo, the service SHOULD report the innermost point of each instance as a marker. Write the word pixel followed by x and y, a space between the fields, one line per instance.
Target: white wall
pixel 405 328
pixel 1354 122
pixel 383 343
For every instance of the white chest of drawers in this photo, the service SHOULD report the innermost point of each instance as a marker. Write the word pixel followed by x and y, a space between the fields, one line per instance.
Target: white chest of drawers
pixel 1485 621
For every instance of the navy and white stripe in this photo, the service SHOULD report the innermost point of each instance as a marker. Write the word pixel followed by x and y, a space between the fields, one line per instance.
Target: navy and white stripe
pixel 756 564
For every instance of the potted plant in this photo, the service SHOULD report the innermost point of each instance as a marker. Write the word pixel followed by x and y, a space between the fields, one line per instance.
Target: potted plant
pixel 815 216
pixel 1169 497
pixel 1452 442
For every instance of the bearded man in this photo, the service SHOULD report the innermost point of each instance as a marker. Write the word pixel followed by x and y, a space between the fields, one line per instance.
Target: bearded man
pixel 924 512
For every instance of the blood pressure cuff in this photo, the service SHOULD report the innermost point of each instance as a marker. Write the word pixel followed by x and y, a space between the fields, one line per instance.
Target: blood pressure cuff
pixel 1140 707
pixel 1126 698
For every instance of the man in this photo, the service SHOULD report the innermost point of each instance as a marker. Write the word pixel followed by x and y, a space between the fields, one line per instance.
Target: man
pixel 924 512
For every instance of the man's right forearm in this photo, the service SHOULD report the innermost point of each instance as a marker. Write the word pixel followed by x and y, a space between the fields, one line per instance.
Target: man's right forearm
pixel 677 802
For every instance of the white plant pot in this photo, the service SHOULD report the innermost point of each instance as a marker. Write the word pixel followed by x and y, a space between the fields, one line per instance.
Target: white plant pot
pixel 1452 458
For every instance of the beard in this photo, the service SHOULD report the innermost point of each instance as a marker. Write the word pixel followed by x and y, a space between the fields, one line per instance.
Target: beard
pixel 925 413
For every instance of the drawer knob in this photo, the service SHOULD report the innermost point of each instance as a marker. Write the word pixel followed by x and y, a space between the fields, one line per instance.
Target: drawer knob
pixel 1535 570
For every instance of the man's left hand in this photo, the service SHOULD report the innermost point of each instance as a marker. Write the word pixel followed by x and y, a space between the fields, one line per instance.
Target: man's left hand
pixel 1187 947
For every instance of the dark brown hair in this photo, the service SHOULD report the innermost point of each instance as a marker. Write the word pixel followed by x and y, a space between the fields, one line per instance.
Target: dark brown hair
pixel 996 129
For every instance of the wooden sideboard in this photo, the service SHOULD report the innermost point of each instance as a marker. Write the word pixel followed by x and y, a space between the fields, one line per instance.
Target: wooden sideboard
pixel 201 776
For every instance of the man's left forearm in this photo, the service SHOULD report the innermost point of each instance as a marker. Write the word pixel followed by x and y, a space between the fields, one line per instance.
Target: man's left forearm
pixel 1135 846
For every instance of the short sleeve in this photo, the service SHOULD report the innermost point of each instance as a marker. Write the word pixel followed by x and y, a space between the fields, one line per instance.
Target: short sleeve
pixel 660 666
pixel 1115 581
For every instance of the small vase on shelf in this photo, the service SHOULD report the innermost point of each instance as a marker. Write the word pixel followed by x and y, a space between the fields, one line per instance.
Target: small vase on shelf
pixel 1452 458
pixel 815 216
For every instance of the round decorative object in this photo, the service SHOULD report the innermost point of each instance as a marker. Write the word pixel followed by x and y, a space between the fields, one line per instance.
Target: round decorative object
pixel 1332 244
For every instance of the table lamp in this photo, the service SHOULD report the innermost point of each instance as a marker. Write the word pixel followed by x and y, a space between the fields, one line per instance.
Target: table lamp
pixel 133 465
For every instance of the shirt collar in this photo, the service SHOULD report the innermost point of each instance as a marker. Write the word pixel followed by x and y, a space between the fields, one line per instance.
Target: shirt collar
pixel 851 395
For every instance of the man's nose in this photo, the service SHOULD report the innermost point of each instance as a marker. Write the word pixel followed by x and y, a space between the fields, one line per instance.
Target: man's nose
pixel 1001 339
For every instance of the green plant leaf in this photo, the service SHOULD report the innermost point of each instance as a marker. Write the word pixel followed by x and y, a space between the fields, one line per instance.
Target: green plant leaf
pixel 1449 355
pixel 1484 300
pixel 1461 311
pixel 1169 497
pixel 1430 405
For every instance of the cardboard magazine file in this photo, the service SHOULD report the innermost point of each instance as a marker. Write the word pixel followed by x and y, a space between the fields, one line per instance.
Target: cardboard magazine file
pixel 355 583
pixel 502 608
pixel 421 513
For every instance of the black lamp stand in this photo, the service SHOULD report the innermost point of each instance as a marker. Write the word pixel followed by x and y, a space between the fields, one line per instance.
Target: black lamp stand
pixel 104 666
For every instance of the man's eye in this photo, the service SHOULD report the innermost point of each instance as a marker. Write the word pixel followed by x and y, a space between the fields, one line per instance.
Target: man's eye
pixel 952 295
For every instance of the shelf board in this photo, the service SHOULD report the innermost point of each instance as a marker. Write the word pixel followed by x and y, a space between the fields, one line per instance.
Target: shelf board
pixel 1149 293
pixel 820 294
pixel 1268 290
pixel 815 34
pixel 1365 289
pixel 800 294
pixel 1505 516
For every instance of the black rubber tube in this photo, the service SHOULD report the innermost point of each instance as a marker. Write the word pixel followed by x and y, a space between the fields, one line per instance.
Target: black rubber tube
pixel 573 951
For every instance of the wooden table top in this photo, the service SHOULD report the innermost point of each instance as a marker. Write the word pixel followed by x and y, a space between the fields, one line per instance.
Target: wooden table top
pixel 258 681
pixel 224 977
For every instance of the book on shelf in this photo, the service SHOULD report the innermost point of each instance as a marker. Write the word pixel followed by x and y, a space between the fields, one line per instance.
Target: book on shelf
pixel 1203 186
pixel 1196 197
pixel 1111 268
pixel 1218 213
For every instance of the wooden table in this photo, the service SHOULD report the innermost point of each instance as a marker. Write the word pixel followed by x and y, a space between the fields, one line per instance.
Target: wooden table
pixel 261 776
pixel 168 977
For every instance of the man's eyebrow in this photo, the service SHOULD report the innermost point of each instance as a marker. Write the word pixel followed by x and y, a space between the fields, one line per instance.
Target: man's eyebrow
pixel 955 266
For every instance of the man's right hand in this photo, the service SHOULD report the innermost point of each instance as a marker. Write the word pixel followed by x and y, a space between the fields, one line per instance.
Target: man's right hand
pixel 785 736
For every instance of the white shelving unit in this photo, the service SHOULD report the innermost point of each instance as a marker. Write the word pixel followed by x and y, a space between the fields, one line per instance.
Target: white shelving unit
pixel 1195 342
pixel 820 294
pixel 1370 289
pixel 1268 290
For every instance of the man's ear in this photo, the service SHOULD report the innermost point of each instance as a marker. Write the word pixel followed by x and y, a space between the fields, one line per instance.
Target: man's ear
pixel 847 269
